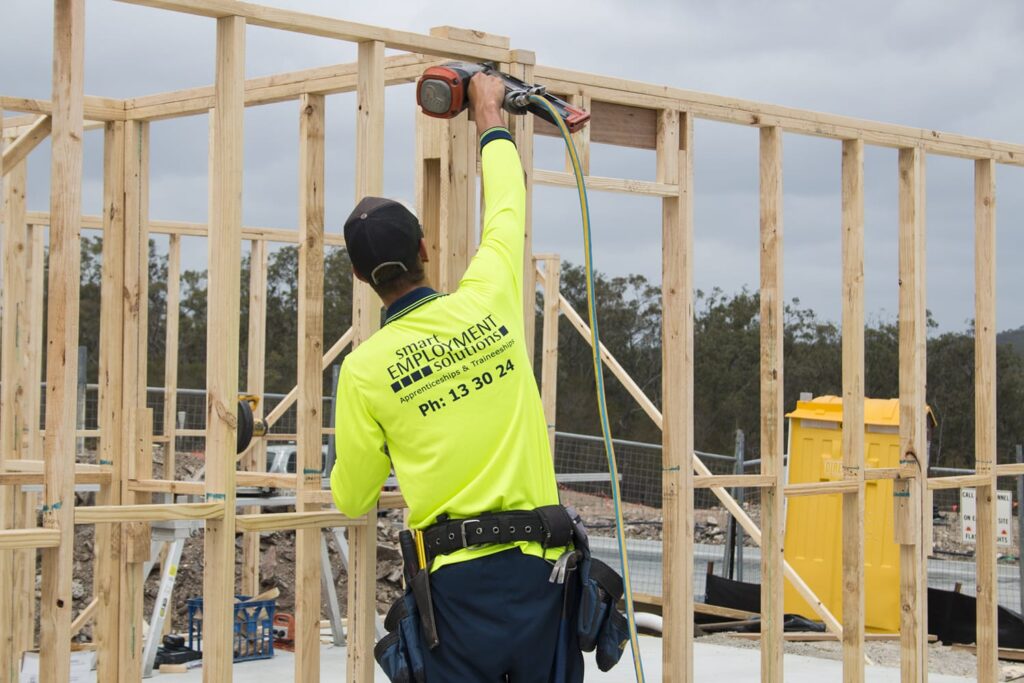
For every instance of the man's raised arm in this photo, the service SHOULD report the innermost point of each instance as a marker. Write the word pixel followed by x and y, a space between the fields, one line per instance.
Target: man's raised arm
pixel 499 261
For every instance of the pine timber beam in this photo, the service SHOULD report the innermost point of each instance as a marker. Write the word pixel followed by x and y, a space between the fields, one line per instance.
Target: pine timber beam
pixel 25 143
pixel 109 567
pixel 852 239
pixel 819 488
pixel 179 488
pixel 985 446
pixel 325 27
pixel 172 323
pixel 13 126
pixel 520 65
pixel 908 494
pixel 94 109
pixel 156 512
pixel 309 405
pixel 84 617
pixel 62 338
pixel 15 539
pixel 135 452
pixel 389 500
pixel 190 229
pixel 733 481
pixel 772 447
pixel 38 478
pixel 255 457
pixel 601 184
pixel 310 520
pixel 226 123
pixel 327 80
pixel 959 481
pixel 675 166
pixel 549 350
pixel 759 114
pixel 15 413
pixel 362 576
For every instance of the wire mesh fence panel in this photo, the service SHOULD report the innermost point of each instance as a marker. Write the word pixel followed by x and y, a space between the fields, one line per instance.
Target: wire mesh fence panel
pixel 581 467
pixel 720 544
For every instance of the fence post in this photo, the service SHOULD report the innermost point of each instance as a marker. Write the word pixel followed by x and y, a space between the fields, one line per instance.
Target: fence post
pixel 739 494
pixel 1020 526
pixel 83 356
pixel 734 532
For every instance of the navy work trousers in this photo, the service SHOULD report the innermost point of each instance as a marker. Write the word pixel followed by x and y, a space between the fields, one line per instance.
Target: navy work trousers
pixel 500 619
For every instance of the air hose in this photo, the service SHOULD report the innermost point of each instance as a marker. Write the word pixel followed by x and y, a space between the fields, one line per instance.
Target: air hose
pixel 602 405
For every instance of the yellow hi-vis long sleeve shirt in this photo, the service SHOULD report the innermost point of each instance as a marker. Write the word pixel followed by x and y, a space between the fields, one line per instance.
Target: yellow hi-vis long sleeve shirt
pixel 447 385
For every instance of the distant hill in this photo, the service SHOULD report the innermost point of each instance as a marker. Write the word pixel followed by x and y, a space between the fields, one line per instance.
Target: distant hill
pixel 1014 338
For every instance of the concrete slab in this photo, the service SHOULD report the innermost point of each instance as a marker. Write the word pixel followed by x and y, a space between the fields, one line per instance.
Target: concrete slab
pixel 711 663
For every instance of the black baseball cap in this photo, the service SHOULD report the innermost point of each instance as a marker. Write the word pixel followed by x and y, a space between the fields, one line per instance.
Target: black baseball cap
pixel 382 238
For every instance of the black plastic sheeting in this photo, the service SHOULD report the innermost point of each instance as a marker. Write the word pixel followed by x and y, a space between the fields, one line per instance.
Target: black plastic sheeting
pixel 747 597
pixel 952 617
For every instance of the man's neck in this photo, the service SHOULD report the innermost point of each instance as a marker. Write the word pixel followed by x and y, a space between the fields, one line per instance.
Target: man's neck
pixel 392 298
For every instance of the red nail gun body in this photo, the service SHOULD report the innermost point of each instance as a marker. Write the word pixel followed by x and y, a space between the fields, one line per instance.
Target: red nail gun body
pixel 443 92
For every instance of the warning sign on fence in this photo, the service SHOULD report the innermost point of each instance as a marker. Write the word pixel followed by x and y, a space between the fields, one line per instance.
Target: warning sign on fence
pixel 969 516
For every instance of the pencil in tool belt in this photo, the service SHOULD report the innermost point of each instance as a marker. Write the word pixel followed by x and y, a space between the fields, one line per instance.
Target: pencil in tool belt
pixel 421 552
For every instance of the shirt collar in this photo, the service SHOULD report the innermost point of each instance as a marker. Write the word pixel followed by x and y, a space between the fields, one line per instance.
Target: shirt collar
pixel 409 301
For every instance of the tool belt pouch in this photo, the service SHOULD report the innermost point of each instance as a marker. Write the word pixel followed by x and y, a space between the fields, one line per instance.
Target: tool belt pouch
pixel 400 652
pixel 602 626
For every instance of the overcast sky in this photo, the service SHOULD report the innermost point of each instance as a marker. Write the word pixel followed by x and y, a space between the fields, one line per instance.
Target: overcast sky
pixel 955 66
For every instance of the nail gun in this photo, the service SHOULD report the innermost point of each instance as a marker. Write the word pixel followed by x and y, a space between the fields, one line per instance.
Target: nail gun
pixel 443 92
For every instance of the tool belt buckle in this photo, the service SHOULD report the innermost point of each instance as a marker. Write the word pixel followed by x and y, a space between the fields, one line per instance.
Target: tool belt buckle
pixel 462 530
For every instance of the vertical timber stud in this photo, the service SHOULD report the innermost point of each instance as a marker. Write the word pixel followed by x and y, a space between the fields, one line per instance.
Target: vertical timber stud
pixel 461 195
pixel 549 352
pixel 908 491
pixel 771 404
pixel 171 380
pixel 309 415
pixel 362 578
pixel 62 337
pixel 580 138
pixel 985 414
pixel 853 408
pixel 25 560
pixel 222 346
pixel 675 165
pixel 108 536
pixel 521 128
pixel 135 258
pixel 430 159
pixel 15 427
pixel 171 356
pixel 256 460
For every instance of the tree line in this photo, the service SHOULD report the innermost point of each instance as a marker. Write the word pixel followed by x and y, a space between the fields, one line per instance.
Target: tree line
pixel 726 359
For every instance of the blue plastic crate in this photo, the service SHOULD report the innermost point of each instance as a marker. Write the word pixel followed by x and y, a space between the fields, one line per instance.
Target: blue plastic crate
pixel 253 628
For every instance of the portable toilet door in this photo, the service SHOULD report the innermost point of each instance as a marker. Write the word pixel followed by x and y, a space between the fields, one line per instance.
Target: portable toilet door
pixel 814 527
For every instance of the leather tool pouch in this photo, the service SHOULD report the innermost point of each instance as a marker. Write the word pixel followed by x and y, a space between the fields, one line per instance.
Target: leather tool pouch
pixel 601 626
pixel 400 652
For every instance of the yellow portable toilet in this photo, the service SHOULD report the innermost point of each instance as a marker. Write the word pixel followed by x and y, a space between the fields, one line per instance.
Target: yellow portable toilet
pixel 814 524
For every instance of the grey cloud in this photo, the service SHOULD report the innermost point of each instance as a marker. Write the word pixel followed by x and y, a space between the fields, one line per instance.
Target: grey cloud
pixel 951 66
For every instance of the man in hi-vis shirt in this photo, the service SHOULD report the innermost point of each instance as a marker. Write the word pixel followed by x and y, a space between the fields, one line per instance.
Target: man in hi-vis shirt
pixel 445 394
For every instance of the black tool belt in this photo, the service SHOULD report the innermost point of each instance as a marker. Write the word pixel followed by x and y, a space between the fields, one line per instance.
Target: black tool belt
pixel 548 525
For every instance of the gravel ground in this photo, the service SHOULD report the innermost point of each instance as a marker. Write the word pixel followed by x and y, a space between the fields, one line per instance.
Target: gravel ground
pixel 941 659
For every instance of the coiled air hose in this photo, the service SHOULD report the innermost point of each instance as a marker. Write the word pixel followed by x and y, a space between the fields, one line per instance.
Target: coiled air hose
pixel 602 406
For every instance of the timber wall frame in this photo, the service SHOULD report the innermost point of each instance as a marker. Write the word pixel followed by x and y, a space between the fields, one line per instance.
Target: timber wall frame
pixel 625 113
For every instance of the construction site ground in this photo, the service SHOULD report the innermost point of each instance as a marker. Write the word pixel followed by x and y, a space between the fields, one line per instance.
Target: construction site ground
pixel 714 654
pixel 712 662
